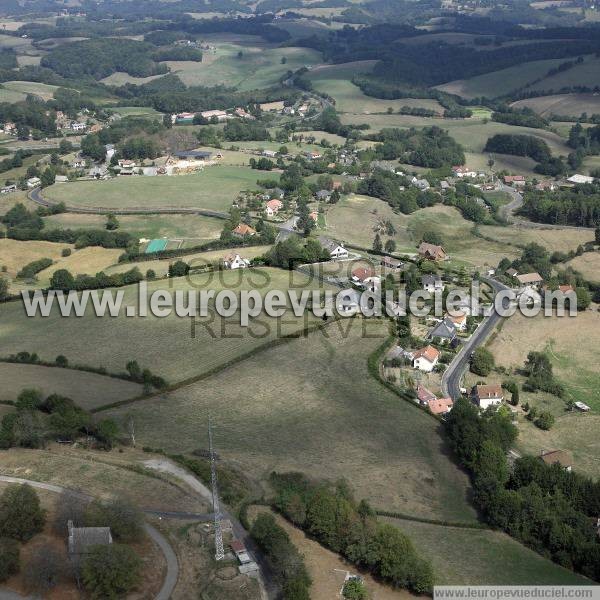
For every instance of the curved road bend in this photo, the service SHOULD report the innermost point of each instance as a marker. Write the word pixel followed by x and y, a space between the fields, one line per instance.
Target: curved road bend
pixel 170 558
pixel 453 374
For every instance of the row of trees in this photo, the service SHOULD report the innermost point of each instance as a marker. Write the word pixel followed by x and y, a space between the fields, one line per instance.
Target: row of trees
pixel 284 559
pixel 547 508
pixel 332 516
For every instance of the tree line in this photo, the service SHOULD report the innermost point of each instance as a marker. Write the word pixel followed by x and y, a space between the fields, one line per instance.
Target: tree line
pixel 331 515
pixel 549 509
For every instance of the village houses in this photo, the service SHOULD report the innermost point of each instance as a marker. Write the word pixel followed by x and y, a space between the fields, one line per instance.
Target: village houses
pixel 487 395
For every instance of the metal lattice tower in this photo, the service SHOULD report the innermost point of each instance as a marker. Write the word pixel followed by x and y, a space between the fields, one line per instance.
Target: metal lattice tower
pixel 219 552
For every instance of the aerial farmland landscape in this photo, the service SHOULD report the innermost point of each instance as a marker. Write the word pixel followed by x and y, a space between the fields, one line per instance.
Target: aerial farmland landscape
pixel 299 299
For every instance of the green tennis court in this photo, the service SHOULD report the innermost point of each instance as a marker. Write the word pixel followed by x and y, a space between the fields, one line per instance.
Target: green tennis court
pixel 156 246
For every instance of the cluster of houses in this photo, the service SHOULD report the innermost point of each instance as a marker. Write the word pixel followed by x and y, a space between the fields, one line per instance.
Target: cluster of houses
pixel 220 116
pixel 519 181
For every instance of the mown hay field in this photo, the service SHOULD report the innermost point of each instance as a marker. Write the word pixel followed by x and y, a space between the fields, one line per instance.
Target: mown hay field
pixel 87 261
pixel 215 188
pixel 165 345
pixel 88 390
pixel 311 405
pixel 15 254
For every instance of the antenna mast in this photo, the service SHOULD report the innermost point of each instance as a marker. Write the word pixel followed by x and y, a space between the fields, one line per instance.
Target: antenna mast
pixel 219 552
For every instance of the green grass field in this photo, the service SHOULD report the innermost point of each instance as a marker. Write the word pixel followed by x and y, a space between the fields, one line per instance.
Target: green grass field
pixel 215 188
pixel 165 345
pixel 471 133
pixel 499 83
pixel 191 228
pixel 354 220
pixel 88 390
pixel 562 104
pixel 586 73
pixel 42 90
pixel 471 557
pixel 258 67
pixel 135 111
pixel 310 405
pixel 350 99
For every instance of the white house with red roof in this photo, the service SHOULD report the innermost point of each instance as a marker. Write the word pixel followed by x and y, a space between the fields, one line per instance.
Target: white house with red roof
pixel 273 207
pixel 426 359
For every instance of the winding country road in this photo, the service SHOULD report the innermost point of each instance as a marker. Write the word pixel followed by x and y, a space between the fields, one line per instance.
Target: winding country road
pixel 170 557
pixel 453 374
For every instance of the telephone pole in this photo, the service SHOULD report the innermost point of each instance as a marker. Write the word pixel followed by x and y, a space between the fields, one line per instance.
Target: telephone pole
pixel 219 552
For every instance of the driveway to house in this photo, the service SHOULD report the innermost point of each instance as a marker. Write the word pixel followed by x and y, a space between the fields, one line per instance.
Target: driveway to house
pixel 171 559
pixel 453 374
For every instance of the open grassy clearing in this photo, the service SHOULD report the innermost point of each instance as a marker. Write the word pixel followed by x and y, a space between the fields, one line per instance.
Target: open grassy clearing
pixel 161 267
pixel 588 264
pixel 120 78
pixel 471 133
pixel 215 188
pixel 350 99
pixel 341 71
pixel 483 557
pixel 17 43
pixel 562 104
pixel 14 174
pixel 99 474
pixel 355 218
pixel 131 111
pixel 88 261
pixel 574 365
pixel 164 345
pixel 502 82
pixel 11 96
pixel 88 390
pixel 15 254
pixel 191 228
pixel 300 28
pixel 258 67
pixel 311 406
pixel 43 90
pixel 502 162
pixel 584 74
pixel 326 568
pixel 562 240
pixel 26 60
